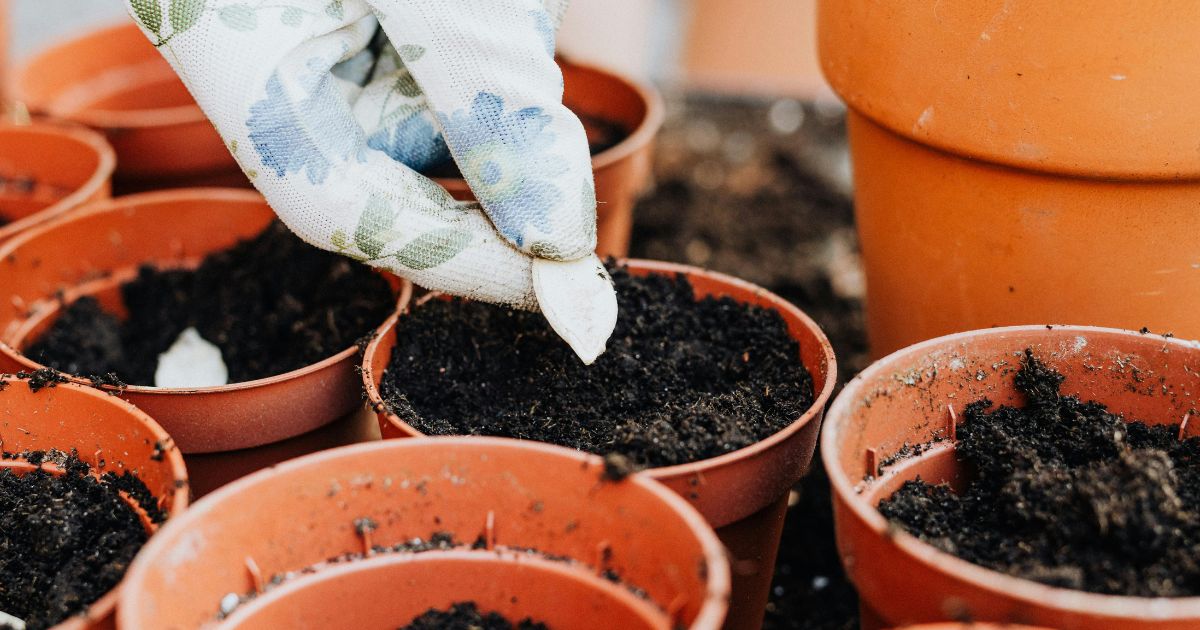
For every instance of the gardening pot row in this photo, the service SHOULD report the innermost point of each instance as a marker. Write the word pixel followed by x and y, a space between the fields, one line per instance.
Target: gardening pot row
pixel 544 536
pixel 115 82
pixel 743 494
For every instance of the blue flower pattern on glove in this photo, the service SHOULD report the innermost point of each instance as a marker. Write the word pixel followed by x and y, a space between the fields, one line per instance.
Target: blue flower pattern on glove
pixel 412 141
pixel 287 142
pixel 504 155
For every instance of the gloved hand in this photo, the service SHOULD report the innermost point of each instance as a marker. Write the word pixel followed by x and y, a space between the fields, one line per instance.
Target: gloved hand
pixel 329 121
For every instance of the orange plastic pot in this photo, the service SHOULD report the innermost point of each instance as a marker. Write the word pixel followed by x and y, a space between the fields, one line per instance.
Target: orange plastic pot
pixel 91 251
pixel 509 495
pixel 49 169
pixel 906 399
pixel 621 172
pixel 742 494
pixel 115 81
pixel 109 435
pixel 1020 163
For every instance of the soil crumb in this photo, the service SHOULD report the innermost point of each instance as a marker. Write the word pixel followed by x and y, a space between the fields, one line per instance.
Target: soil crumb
pixel 1067 494
pixel 272 304
pixel 466 616
pixel 65 540
pixel 682 380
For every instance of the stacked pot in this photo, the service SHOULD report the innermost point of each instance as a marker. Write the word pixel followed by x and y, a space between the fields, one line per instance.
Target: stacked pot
pixel 1020 163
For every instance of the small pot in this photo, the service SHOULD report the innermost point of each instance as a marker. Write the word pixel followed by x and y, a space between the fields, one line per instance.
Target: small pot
pixel 90 252
pixel 108 434
pixel 621 172
pixel 1020 163
pixel 904 399
pixel 49 169
pixel 511 496
pixel 114 81
pixel 742 494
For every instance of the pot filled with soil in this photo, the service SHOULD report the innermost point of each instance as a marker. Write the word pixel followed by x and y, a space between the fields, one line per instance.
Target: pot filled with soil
pixel 404 533
pixel 85 479
pixel 200 308
pixel 998 150
pixel 49 169
pixel 712 384
pixel 621 117
pixel 1037 475
pixel 114 81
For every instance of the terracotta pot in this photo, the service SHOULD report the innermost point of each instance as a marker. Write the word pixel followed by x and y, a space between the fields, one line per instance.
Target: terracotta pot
pixel 94 249
pixel 621 172
pixel 49 169
pixel 969 626
pixel 1020 163
pixel 903 399
pixel 110 435
pixel 742 494
pixel 513 496
pixel 115 81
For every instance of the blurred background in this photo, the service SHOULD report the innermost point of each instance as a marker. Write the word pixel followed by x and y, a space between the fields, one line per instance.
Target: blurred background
pixel 751 177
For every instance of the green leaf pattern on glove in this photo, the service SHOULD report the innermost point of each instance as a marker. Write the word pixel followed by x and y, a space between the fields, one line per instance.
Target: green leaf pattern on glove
pixel 332 131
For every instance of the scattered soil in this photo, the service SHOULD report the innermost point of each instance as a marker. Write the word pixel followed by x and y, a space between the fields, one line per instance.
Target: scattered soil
pixel 466 616
pixel 272 304
pixel 1067 494
pixel 681 380
pixel 65 540
pixel 602 135
pixel 810 590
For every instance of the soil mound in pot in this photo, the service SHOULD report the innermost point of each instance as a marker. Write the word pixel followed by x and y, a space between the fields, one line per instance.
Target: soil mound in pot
pixel 272 304
pixel 466 616
pixel 1067 494
pixel 682 380
pixel 65 540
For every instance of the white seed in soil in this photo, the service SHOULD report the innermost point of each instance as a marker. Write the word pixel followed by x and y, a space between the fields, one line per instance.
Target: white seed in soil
pixel 578 299
pixel 9 622
pixel 191 362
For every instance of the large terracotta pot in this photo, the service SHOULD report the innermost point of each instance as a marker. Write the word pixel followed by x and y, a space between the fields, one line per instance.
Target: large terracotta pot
pixel 49 169
pixel 742 494
pixel 511 496
pixel 903 399
pixel 108 434
pixel 622 172
pixel 92 251
pixel 1021 162
pixel 115 81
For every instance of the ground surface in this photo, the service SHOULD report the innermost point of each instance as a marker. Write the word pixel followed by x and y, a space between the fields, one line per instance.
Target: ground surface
pixel 760 190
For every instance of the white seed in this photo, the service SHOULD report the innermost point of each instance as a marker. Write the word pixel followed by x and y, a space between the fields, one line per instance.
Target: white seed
pixel 578 299
pixel 191 362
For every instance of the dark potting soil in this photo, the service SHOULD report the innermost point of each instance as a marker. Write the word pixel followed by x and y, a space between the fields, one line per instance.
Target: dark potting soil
pixel 65 540
pixel 810 590
pixel 271 303
pixel 682 380
pixel 1067 494
pixel 466 616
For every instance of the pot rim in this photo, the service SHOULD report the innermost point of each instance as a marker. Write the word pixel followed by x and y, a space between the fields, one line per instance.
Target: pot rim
pixel 403 296
pixel 86 138
pixel 662 473
pixel 177 506
pixel 984 579
pixel 638 138
pixel 109 119
pixel 719 578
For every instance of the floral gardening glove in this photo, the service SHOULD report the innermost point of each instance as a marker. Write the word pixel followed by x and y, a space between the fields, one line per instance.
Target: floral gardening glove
pixel 332 106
